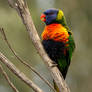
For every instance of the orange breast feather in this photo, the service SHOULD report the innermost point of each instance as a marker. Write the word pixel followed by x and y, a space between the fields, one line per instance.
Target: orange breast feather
pixel 55 32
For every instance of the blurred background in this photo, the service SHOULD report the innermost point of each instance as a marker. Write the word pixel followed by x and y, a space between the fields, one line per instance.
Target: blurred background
pixel 78 15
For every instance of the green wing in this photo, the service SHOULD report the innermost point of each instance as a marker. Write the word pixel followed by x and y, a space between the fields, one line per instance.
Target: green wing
pixel 64 61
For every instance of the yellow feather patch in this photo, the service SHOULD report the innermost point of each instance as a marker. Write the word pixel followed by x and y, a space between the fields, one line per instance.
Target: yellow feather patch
pixel 60 15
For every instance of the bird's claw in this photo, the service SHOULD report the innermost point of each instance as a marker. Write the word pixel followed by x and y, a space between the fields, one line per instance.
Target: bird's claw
pixel 54 64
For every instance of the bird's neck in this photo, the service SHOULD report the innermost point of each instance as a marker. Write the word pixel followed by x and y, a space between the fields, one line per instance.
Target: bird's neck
pixel 53 27
pixel 63 23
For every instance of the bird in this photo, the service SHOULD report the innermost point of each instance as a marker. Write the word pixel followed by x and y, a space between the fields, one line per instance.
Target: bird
pixel 57 40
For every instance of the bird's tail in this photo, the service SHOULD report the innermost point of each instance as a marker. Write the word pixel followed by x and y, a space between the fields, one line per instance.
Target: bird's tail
pixel 56 87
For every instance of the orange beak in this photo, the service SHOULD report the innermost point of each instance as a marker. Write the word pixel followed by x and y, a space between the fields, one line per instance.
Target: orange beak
pixel 43 17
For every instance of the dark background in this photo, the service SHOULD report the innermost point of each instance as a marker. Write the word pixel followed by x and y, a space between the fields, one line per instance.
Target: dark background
pixel 78 14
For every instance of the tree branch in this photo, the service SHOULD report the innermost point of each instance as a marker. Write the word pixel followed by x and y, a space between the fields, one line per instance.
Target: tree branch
pixel 24 62
pixel 23 11
pixel 19 74
pixel 8 80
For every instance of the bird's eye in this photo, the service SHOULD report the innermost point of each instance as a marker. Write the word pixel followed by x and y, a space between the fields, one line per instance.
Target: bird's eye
pixel 51 13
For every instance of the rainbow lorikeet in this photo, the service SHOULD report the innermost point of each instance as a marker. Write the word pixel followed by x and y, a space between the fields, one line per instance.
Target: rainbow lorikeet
pixel 57 39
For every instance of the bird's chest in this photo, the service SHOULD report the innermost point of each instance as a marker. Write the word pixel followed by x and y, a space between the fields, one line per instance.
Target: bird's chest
pixel 55 32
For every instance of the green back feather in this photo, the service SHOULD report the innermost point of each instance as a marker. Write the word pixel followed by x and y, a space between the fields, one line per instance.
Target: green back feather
pixel 64 61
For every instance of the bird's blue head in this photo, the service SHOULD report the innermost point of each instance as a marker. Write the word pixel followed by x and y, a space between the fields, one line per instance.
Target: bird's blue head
pixel 52 16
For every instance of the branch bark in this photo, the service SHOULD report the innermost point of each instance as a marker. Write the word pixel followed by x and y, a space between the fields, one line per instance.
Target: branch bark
pixel 23 11
pixel 8 80
pixel 24 62
pixel 18 73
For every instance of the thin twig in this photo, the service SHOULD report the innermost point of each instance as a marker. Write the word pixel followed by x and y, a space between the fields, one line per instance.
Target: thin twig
pixel 24 13
pixel 18 73
pixel 8 80
pixel 24 62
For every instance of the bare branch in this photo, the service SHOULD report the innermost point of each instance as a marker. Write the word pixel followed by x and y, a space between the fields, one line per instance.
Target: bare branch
pixel 8 80
pixel 19 74
pixel 11 3
pixel 24 62
pixel 24 13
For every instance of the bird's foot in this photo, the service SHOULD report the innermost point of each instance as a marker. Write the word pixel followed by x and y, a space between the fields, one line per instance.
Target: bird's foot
pixel 54 64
